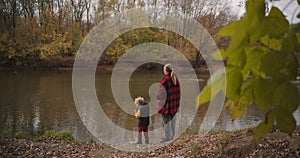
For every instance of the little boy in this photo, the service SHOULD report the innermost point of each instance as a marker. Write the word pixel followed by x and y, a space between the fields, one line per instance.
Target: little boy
pixel 142 115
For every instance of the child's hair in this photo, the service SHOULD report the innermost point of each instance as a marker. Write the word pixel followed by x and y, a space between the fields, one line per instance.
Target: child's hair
pixel 138 101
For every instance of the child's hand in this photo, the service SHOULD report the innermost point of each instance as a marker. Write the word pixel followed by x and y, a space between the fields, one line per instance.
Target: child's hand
pixel 137 114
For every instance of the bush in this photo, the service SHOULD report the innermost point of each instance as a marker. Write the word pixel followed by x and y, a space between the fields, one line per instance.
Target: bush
pixel 21 135
pixel 195 147
pixel 62 135
pixel 7 133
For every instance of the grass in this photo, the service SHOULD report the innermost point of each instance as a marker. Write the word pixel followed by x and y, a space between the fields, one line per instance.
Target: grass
pixel 195 131
pixel 195 147
pixel 21 135
pixel 218 131
pixel 7 133
pixel 225 137
pixel 188 132
pixel 91 140
pixel 61 135
pixel 18 134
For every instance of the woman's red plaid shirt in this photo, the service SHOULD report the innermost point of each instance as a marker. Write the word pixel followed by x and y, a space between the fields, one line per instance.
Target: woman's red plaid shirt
pixel 168 97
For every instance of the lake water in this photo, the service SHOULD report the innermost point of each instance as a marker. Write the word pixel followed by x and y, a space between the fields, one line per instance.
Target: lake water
pixel 43 100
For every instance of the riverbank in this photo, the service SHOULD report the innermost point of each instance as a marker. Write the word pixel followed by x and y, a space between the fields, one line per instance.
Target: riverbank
pixel 214 144
pixel 200 70
pixel 67 65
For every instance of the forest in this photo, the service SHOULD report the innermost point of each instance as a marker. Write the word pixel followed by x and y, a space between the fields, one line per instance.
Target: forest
pixel 260 50
pixel 47 33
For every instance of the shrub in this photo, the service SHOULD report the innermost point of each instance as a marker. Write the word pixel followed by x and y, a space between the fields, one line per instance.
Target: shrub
pixel 21 135
pixel 62 135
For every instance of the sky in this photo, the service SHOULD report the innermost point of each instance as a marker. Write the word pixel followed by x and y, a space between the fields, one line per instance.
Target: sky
pixel 290 8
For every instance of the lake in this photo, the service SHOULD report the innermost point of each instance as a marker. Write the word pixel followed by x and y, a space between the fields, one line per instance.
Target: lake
pixel 42 100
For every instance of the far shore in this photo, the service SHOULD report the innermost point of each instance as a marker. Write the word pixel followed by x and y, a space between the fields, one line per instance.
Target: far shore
pixel 202 70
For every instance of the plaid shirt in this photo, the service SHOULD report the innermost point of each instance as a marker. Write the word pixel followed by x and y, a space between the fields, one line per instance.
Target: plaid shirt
pixel 168 103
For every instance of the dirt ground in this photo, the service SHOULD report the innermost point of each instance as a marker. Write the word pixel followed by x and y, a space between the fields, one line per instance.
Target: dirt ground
pixel 214 144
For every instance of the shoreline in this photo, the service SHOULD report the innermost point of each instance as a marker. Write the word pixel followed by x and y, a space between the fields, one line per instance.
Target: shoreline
pixel 201 70
pixel 214 144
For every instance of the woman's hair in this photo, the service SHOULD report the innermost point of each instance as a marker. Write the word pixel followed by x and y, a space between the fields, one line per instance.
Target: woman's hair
pixel 169 69
pixel 138 101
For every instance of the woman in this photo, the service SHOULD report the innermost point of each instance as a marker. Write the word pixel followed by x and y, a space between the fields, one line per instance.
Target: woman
pixel 168 101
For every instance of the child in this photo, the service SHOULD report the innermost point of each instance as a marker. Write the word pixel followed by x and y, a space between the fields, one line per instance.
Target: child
pixel 142 115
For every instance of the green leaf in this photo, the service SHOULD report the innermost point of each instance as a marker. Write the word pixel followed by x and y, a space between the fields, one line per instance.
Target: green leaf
pixel 296 28
pixel 260 59
pixel 257 33
pixel 205 95
pixel 276 23
pixel 258 73
pixel 219 55
pixel 255 8
pixel 238 38
pixel 230 29
pixel 255 29
pixel 248 84
pixel 234 82
pixel 253 58
pixel 247 97
pixel 272 63
pixel 286 97
pixel 272 43
pixel 213 87
pixel 254 17
pixel 228 103
pixel 289 43
pixel 292 66
pixel 237 58
pixel 237 110
pixel 298 2
pixel 285 122
pixel 263 94
pixel 264 127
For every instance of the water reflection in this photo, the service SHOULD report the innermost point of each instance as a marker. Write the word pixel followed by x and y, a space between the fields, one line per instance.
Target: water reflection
pixel 251 118
pixel 38 101
pixel 36 109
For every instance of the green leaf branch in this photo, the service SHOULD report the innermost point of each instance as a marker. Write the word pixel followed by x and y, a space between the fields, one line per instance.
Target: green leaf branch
pixel 260 67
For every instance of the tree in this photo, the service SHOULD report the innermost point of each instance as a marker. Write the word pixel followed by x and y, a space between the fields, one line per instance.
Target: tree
pixel 29 25
pixel 106 9
pixel 261 65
